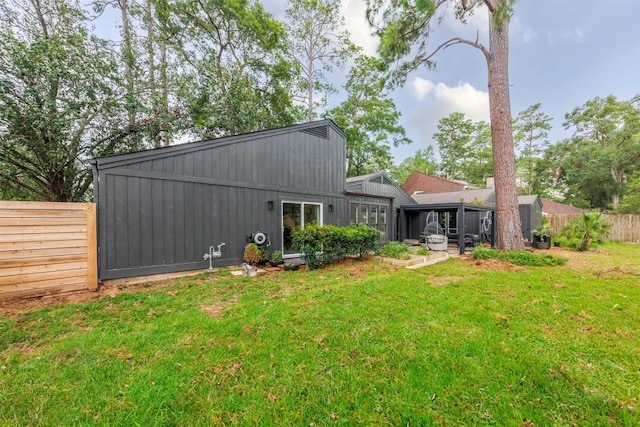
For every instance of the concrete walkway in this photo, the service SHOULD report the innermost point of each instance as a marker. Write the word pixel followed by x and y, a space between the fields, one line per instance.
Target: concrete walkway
pixel 442 256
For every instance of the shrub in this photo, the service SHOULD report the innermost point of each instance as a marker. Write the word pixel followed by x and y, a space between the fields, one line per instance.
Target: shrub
pixel 320 244
pixel 252 254
pixel 584 233
pixel 422 251
pixel 276 256
pixel 397 250
pixel 518 257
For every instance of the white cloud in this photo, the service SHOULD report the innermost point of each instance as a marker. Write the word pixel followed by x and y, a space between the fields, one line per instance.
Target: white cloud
pixel 575 35
pixel 476 22
pixel 435 101
pixel 518 30
pixel 354 12
pixel 421 88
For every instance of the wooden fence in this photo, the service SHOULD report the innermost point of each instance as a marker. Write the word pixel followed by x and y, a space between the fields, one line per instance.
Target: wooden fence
pixel 47 248
pixel 625 228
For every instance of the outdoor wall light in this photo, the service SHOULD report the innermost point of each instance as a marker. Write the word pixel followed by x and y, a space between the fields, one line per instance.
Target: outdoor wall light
pixel 330 208
pixel 270 205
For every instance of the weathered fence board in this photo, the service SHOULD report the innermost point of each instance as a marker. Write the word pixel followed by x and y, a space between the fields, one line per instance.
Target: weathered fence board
pixel 624 228
pixel 47 248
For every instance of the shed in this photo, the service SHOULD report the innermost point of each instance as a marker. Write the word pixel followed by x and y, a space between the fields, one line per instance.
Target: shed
pixel 530 207
pixel 160 210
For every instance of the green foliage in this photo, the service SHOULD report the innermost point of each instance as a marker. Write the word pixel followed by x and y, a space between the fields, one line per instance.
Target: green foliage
pixel 584 233
pixel 351 344
pixel 276 256
pixel 252 254
pixel 594 164
pixel 317 42
pixel 397 250
pixel 518 257
pixel 630 201
pixel 530 135
pixel 422 251
pixel 321 244
pixel 370 119
pixel 454 137
pixel 423 161
pixel 59 102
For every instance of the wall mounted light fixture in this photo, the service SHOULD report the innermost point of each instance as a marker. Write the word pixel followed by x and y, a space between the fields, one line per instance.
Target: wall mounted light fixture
pixel 330 208
pixel 270 205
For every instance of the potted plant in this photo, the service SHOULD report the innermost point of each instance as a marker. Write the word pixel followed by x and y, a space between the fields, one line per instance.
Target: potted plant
pixel 276 258
pixel 290 266
pixel 542 236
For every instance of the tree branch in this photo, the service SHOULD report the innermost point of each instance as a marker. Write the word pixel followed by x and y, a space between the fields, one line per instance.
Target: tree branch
pixel 455 41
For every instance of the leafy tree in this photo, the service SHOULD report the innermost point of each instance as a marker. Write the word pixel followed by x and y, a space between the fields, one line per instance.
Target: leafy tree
pixel 530 126
pixel 479 164
pixel 423 161
pixel 454 137
pixel 405 24
pixel 235 77
pixel 606 140
pixel 370 119
pixel 317 43
pixel 59 95
pixel 630 201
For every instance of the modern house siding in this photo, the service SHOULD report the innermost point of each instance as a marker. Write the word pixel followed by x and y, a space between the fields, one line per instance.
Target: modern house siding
pixel 160 210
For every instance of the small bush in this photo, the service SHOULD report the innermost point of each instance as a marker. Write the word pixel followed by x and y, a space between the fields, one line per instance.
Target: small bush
pixel 320 244
pixel 518 257
pixel 397 250
pixel 584 233
pixel 252 254
pixel 422 251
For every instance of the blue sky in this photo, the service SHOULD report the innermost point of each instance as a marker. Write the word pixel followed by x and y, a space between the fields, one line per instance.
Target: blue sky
pixel 562 54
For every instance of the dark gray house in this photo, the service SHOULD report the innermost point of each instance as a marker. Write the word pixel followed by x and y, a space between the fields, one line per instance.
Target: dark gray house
pixel 381 185
pixel 160 210
pixel 474 208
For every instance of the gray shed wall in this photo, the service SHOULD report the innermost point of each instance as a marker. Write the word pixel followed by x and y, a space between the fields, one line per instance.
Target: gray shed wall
pixel 160 210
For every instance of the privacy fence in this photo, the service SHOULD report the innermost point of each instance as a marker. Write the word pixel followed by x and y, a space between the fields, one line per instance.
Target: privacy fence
pixel 47 248
pixel 625 228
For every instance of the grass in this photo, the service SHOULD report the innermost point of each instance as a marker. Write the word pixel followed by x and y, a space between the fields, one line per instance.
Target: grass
pixel 457 343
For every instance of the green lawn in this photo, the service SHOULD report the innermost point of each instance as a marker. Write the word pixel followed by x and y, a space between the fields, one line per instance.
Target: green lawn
pixel 456 343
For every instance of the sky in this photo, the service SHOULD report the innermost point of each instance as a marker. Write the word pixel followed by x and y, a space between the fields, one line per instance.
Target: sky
pixel 562 54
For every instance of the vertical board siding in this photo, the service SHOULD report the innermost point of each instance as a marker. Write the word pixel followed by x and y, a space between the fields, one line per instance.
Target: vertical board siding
pixel 47 248
pixel 177 202
pixel 624 227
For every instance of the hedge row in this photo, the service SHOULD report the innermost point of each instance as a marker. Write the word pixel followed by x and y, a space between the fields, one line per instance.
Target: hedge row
pixel 321 244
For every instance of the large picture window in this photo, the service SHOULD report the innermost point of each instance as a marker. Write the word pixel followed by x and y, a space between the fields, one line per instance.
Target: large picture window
pixel 297 215
pixel 373 215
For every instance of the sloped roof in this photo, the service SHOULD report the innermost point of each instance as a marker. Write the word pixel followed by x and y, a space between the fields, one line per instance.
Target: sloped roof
pixel 528 199
pixel 550 207
pixel 355 184
pixel 317 128
pixel 487 195
pixel 419 181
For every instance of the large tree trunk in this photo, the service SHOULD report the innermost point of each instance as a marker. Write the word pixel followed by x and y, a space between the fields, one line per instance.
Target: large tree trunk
pixel 508 229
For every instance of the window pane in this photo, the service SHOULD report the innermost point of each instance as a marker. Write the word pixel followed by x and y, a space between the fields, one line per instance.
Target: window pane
pixel 311 214
pixel 291 218
pixel 364 214
pixel 373 218
pixel 353 213
pixel 383 215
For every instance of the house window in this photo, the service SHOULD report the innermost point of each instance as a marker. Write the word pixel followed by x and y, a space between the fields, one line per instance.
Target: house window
pixel 382 219
pixel 353 213
pixel 372 215
pixel 364 214
pixel 297 215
